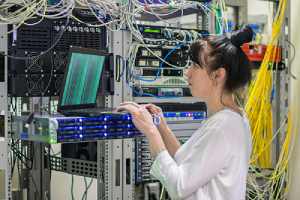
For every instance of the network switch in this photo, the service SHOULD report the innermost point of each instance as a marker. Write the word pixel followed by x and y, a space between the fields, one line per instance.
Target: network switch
pixel 75 129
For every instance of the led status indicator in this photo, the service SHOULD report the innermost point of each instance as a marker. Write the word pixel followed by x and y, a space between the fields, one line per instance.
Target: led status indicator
pixel 151 30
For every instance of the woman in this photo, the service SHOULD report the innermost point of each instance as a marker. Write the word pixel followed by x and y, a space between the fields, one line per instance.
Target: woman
pixel 213 163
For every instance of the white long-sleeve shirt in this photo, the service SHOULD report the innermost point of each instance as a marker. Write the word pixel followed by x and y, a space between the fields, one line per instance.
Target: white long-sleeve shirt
pixel 212 164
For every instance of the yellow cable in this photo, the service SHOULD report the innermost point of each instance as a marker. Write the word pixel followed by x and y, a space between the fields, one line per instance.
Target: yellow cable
pixel 258 106
pixel 259 111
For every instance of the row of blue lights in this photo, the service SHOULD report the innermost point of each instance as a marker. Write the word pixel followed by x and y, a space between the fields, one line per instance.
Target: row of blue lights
pixel 101 118
pixel 98 135
pixel 93 126
pixel 82 127
pixel 93 131
pixel 86 132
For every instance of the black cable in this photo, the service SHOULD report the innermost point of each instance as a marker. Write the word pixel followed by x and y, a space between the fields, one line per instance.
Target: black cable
pixel 19 174
pixel 15 150
pixel 21 155
pixel 35 185
pixel 17 154
pixel 87 187
pixel 84 196
pixel 32 152
pixel 13 161
pixel 31 149
pixel 49 161
pixel 72 187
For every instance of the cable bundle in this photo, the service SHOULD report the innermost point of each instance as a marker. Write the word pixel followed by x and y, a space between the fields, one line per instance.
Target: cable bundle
pixel 258 106
pixel 113 14
pixel 268 184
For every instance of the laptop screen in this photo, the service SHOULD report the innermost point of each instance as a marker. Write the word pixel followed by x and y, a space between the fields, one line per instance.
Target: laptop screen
pixel 82 79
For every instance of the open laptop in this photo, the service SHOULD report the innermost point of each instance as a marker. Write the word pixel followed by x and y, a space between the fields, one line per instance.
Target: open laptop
pixel 83 82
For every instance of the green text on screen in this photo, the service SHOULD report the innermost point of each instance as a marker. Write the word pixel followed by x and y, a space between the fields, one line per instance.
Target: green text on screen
pixel 83 79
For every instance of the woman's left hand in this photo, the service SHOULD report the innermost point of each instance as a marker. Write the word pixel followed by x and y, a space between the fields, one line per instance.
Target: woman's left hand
pixel 141 117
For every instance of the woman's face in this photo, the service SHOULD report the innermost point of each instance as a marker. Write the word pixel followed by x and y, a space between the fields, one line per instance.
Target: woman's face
pixel 200 82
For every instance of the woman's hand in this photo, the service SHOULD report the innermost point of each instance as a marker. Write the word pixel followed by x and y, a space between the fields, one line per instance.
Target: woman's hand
pixel 143 121
pixel 155 110
pixel 141 117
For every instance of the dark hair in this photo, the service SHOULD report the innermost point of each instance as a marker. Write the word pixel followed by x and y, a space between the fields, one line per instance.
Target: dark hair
pixel 220 51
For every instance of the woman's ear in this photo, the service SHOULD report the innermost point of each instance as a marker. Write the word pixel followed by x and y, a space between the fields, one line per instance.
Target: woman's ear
pixel 219 75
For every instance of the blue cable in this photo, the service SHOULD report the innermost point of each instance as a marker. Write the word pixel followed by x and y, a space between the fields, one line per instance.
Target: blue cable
pixel 148 94
pixel 273 92
pixel 160 65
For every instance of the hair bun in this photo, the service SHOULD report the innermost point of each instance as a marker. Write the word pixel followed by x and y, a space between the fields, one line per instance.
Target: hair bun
pixel 239 37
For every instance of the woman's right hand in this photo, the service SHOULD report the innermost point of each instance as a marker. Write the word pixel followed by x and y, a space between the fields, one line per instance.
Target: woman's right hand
pixel 155 110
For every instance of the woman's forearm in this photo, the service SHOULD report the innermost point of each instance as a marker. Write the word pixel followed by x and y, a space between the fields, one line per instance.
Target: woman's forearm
pixel 171 142
pixel 156 143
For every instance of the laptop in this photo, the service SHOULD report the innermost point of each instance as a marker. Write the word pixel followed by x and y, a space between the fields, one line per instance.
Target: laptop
pixel 84 82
